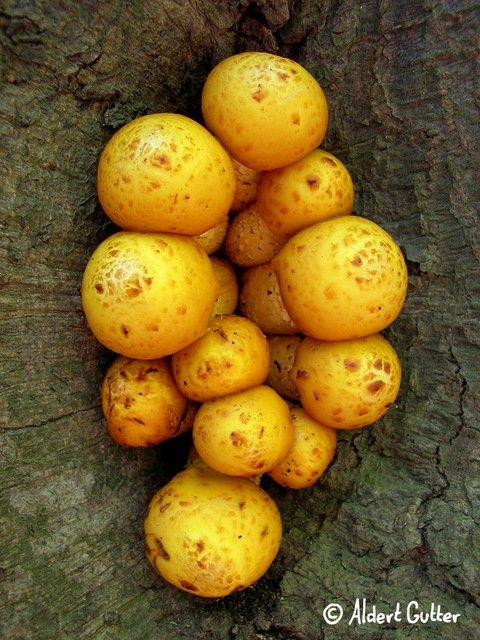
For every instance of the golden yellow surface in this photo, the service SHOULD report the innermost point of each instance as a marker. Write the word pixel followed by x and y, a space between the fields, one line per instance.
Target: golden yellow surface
pixel 226 275
pixel 312 451
pixel 267 111
pixel 165 172
pixel 342 278
pixel 347 384
pixel 147 295
pixel 210 534
pixel 141 402
pixel 245 433
pixel 231 356
pixel 316 187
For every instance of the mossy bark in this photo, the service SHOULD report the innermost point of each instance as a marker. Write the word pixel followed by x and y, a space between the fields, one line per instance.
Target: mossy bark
pixel 396 517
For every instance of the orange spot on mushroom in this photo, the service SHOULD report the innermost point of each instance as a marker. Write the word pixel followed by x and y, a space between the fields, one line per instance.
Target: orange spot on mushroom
pixel 351 365
pixel 188 585
pixel 160 549
pixel 221 334
pixel 238 439
pixel 161 160
pixel 376 386
pixel 259 95
pixel 302 375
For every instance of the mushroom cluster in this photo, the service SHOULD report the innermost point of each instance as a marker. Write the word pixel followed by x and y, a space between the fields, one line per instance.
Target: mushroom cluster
pixel 244 301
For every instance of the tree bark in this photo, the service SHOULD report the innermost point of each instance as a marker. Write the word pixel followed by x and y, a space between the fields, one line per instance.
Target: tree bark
pixel 395 520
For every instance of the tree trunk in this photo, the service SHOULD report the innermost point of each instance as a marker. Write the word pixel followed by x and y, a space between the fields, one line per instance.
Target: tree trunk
pixel 395 520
